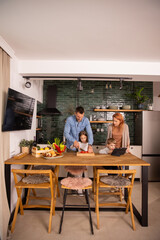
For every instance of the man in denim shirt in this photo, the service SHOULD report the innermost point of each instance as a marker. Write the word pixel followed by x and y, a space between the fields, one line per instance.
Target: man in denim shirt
pixel 74 125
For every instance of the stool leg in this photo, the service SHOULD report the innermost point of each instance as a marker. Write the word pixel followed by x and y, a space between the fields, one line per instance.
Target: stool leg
pixel 64 202
pixel 86 197
pixel 90 217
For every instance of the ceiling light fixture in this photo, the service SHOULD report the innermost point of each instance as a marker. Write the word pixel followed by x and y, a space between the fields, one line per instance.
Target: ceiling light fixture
pixel 121 83
pixel 79 85
pixel 28 83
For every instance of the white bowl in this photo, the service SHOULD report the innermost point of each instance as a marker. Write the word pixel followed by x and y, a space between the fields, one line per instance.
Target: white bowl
pixel 113 107
pixel 103 107
pixel 97 107
pixel 126 107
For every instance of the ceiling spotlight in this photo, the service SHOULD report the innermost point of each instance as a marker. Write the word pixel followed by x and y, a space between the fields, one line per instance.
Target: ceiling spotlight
pixel 110 85
pixel 121 83
pixel 79 85
pixel 28 83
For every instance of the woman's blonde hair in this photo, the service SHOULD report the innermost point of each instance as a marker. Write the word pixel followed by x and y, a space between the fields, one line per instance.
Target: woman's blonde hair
pixel 120 118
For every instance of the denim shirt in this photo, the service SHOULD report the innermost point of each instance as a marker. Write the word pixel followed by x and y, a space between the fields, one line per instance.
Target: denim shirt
pixel 73 128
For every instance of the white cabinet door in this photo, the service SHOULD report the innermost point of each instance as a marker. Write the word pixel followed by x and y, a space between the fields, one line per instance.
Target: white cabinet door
pixel 137 151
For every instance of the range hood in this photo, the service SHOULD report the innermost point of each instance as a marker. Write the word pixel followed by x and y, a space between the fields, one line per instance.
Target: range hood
pixel 50 102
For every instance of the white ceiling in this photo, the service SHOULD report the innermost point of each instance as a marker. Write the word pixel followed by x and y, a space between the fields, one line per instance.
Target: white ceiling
pixel 117 30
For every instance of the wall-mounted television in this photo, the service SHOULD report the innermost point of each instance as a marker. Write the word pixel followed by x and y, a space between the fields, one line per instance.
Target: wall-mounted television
pixel 19 111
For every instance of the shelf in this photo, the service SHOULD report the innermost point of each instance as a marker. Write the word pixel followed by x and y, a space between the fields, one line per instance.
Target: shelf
pixel 101 121
pixel 117 110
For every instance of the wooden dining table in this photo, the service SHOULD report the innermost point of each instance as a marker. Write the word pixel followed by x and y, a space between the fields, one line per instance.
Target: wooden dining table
pixel 72 159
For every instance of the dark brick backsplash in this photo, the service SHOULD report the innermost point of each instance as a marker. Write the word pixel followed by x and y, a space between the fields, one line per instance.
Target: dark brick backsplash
pixel 68 98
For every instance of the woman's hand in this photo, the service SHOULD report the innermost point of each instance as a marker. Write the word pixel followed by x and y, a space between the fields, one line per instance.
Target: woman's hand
pixel 128 150
pixel 90 149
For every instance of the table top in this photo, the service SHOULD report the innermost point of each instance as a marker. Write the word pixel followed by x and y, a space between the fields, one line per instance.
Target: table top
pixel 71 159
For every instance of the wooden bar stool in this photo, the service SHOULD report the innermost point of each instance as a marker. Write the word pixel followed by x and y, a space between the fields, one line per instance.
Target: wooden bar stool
pixel 119 178
pixel 74 183
pixel 34 179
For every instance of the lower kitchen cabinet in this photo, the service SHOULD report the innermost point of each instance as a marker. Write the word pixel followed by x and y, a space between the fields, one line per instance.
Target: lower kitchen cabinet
pixel 137 151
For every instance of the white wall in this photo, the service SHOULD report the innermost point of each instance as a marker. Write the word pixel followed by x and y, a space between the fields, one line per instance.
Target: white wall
pixel 36 91
pixel 140 71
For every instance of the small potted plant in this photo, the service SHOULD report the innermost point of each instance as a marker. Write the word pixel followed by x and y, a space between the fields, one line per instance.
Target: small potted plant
pixel 138 97
pixel 25 145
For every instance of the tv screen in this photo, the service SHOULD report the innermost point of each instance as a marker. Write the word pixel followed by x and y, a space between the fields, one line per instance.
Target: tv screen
pixel 19 111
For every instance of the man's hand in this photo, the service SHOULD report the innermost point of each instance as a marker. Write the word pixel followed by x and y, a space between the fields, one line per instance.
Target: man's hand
pixel 90 149
pixel 76 144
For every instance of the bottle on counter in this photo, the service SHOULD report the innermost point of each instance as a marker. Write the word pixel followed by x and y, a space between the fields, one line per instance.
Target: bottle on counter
pixel 34 144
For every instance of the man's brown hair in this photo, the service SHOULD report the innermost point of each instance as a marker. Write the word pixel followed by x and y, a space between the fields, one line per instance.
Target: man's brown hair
pixel 80 110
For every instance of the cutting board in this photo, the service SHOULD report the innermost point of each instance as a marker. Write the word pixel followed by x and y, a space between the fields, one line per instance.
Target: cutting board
pixel 85 154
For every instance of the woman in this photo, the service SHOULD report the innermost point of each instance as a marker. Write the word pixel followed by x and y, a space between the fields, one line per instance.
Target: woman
pixel 119 131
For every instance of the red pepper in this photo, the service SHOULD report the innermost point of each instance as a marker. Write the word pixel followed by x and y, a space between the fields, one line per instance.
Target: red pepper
pixel 84 152
pixel 57 148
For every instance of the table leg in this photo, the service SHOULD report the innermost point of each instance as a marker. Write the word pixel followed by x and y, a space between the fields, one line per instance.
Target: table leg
pixel 126 190
pixel 143 217
pixel 144 220
pixel 8 183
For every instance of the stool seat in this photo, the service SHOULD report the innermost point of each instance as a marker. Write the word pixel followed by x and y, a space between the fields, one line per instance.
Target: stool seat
pixel 54 169
pixel 76 183
pixel 117 181
pixel 35 179
pixel 75 170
